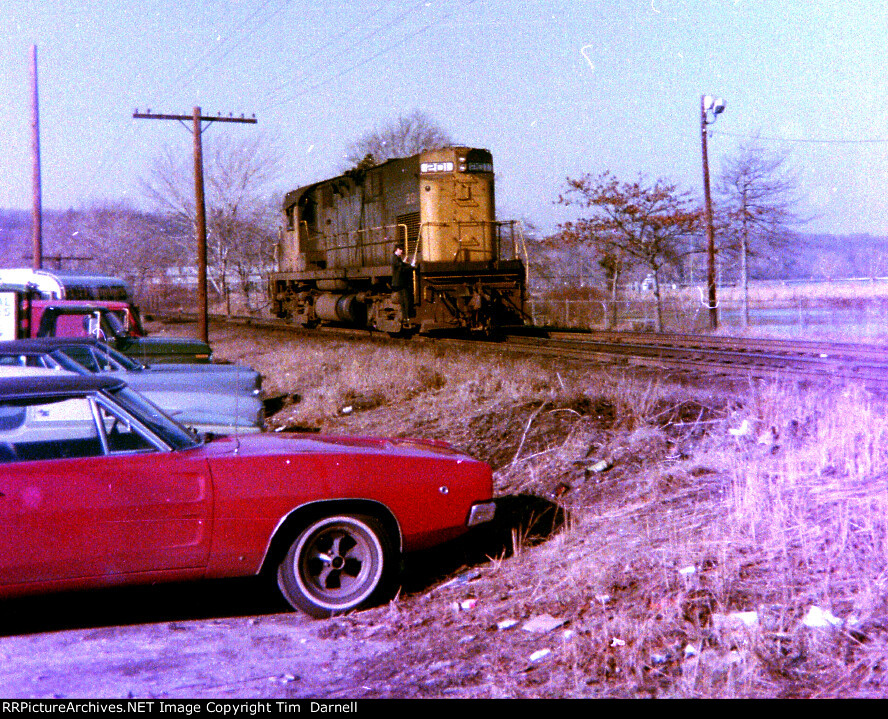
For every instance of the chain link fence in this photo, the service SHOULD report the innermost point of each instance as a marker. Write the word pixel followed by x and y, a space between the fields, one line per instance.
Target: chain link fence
pixel 865 318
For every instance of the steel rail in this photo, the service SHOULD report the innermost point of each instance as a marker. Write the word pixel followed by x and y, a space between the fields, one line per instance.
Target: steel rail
pixel 728 356
pixel 735 357
pixel 740 344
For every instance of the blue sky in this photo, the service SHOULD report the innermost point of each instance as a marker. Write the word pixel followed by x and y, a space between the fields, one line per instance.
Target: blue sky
pixel 554 88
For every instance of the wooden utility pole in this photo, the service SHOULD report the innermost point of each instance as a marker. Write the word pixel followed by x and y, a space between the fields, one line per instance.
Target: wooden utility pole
pixel 200 224
pixel 710 230
pixel 37 211
pixel 200 212
pixel 714 106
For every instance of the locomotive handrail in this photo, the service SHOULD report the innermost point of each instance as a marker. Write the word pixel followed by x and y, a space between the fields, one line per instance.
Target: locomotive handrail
pixel 419 235
pixel 384 240
pixel 353 244
pixel 523 242
pixel 351 233
pixel 416 250
pixel 495 226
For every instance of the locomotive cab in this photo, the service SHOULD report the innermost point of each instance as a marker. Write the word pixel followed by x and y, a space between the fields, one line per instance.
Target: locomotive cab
pixel 457 206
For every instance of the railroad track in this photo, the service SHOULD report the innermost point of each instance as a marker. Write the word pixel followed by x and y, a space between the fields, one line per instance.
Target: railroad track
pixel 733 357
pixel 724 356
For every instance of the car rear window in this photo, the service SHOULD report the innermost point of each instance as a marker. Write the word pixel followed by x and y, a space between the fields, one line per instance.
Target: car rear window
pixel 71 326
pixel 48 429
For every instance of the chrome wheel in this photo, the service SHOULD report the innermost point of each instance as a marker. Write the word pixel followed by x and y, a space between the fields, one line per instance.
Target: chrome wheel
pixel 336 564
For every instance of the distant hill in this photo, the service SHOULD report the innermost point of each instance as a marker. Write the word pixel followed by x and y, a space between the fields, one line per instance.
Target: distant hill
pixel 72 239
pixel 805 256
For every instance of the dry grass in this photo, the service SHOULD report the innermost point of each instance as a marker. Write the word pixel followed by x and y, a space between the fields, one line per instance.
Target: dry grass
pixel 687 506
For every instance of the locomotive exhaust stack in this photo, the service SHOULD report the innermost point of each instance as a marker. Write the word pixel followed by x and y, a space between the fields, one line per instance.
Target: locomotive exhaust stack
pixel 335 261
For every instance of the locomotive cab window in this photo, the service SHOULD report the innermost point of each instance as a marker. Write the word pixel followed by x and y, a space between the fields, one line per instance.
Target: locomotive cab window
pixel 375 185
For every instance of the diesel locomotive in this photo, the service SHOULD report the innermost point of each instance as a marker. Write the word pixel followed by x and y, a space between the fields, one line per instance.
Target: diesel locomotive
pixel 335 257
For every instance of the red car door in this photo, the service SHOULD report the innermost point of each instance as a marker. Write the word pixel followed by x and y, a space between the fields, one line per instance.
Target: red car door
pixel 163 502
pixel 108 515
pixel 80 506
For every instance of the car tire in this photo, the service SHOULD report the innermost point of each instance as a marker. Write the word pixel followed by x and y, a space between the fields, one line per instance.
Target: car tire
pixel 337 564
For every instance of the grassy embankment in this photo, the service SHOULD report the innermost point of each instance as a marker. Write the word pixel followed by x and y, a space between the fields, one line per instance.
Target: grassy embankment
pixel 705 524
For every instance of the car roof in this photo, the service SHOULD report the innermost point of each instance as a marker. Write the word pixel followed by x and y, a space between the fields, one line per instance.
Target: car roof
pixel 22 382
pixel 46 344
pixel 77 306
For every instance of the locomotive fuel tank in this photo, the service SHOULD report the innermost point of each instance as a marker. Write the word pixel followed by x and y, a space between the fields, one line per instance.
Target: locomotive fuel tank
pixel 340 308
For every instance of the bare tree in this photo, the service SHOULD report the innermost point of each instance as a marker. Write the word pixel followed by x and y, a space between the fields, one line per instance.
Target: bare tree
pixel 110 237
pixel 612 261
pixel 123 242
pixel 15 238
pixel 402 137
pixel 758 194
pixel 239 178
pixel 250 256
pixel 632 223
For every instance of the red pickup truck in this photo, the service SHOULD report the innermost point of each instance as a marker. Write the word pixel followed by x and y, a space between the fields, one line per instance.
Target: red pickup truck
pixel 73 325
pixel 110 321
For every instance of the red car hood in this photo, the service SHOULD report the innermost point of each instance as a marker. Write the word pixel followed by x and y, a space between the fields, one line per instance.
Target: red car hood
pixel 274 444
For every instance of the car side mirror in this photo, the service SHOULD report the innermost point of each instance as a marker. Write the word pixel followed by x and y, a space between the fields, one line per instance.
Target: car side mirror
pixel 93 326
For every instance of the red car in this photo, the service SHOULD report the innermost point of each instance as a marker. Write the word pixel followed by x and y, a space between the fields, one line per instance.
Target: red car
pixel 98 487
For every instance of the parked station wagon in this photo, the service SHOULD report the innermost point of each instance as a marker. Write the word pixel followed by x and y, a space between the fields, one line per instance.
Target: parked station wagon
pixel 221 399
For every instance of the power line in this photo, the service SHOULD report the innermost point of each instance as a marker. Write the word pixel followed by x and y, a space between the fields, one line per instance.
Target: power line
pixel 239 38
pixel 246 33
pixel 366 61
pixel 115 149
pixel 334 40
pixel 806 140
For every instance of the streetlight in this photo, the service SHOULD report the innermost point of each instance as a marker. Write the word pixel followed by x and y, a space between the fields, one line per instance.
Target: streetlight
pixel 709 106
